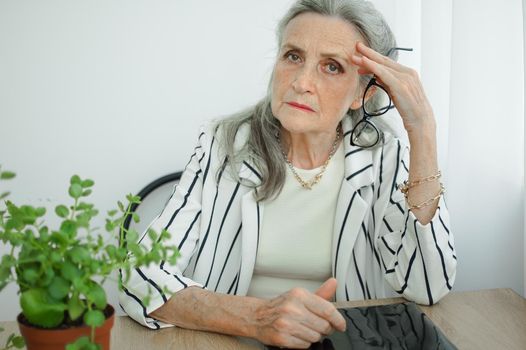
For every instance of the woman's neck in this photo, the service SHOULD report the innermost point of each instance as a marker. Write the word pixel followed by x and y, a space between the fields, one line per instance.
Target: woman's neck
pixel 308 150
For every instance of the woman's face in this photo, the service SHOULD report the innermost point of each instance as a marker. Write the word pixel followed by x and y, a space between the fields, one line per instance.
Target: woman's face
pixel 313 69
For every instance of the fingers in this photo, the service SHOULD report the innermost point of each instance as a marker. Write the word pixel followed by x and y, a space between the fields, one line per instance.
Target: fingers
pixel 327 289
pixel 307 334
pixel 298 317
pixel 368 66
pixel 317 324
pixel 378 58
pixel 325 310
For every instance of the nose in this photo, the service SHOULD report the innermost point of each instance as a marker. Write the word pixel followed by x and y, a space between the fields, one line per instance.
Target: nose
pixel 304 81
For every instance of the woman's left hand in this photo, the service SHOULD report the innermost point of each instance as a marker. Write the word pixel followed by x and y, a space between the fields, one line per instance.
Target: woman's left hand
pixel 403 85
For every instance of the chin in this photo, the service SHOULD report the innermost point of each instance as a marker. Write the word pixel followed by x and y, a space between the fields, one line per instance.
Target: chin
pixel 297 127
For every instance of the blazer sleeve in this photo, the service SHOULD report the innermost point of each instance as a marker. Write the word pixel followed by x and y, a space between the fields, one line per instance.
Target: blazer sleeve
pixel 419 261
pixel 181 217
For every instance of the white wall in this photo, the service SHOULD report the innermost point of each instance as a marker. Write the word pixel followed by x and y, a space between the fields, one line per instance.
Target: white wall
pixel 486 150
pixel 116 90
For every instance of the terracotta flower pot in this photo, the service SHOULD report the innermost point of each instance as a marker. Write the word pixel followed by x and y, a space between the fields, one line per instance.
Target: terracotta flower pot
pixel 56 339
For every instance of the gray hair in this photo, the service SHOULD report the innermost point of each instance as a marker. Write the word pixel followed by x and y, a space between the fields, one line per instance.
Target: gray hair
pixel 262 146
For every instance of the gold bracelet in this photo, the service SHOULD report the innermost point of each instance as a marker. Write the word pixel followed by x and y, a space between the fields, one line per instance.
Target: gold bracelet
pixel 406 185
pixel 425 203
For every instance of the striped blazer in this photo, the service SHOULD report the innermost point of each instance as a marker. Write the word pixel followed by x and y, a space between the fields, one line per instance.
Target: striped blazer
pixel 378 246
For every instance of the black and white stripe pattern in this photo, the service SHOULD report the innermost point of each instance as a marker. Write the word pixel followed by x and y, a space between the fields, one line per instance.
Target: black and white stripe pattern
pixel 378 245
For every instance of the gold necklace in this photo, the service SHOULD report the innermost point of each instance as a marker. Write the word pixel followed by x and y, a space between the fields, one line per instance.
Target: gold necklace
pixel 308 184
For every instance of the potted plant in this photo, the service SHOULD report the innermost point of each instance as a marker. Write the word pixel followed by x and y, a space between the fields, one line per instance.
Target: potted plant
pixel 60 271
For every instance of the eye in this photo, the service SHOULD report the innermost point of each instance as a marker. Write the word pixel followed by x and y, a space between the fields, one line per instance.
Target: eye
pixel 291 56
pixel 333 68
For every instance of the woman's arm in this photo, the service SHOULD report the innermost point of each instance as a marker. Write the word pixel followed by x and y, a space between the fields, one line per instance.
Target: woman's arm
pixel 296 318
pixel 418 261
pixel 405 88
pixel 423 163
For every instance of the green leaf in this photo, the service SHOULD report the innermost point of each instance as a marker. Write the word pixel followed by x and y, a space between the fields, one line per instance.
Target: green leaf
pixel 59 238
pixel 70 271
pixel 153 235
pixel 75 179
pixel 4 195
pixel 94 318
pixel 45 280
pixel 136 218
pixel 75 307
pixel 97 295
pixel 80 344
pixel 84 206
pixel 79 255
pixel 30 275
pixel 132 236
pixel 44 234
pixel 40 309
pixel 69 228
pixel 94 266
pixel 133 199
pixel 62 211
pixel 121 206
pixel 80 286
pixel 6 175
pixel 87 183
pixel 111 250
pixel 112 212
pixel 110 226
pixel 59 288
pixel 55 257
pixel 83 220
pixel 19 342
pixel 40 211
pixel 75 191
pixel 86 193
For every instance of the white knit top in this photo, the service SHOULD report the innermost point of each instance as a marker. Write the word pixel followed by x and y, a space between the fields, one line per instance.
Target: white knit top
pixel 296 233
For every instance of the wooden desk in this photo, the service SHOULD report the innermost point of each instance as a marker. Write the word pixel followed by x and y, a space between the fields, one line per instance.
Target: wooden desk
pixel 488 319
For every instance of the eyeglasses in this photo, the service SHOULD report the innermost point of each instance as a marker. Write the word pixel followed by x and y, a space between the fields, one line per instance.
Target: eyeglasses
pixel 365 134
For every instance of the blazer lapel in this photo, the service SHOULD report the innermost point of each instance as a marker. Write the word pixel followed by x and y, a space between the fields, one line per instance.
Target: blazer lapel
pixel 351 208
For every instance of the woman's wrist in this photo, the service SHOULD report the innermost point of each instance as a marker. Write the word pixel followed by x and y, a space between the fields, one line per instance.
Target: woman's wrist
pixel 249 325
pixel 423 131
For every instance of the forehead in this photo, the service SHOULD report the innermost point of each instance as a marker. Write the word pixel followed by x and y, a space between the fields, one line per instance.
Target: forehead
pixel 321 33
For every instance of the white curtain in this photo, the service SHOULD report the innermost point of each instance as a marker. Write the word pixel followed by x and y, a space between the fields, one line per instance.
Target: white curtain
pixel 470 57
pixel 485 137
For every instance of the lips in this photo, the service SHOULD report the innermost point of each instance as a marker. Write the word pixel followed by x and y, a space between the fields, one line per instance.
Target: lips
pixel 300 106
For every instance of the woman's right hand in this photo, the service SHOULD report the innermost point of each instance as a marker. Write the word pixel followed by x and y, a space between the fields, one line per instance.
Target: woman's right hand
pixel 298 318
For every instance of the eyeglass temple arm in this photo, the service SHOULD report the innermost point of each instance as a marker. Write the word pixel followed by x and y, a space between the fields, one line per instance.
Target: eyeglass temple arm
pixel 398 48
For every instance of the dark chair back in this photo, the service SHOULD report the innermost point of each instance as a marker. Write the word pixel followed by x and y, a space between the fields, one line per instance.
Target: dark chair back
pixel 153 199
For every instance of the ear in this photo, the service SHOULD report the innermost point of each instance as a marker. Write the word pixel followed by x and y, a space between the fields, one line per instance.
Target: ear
pixel 357 103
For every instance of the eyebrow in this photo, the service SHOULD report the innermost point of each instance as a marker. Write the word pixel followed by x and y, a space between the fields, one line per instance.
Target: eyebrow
pixel 325 54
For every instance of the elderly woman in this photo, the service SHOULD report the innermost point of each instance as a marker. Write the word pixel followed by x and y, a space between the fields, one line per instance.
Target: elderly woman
pixel 301 199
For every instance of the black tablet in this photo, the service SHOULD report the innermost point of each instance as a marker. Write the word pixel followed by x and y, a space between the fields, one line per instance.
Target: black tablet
pixel 394 326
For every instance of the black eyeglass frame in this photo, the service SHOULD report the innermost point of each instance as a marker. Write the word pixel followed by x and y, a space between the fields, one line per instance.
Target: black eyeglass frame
pixel 376 113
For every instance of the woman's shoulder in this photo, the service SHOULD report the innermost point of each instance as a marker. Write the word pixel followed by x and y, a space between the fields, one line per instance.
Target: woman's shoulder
pixel 221 131
pixel 215 135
